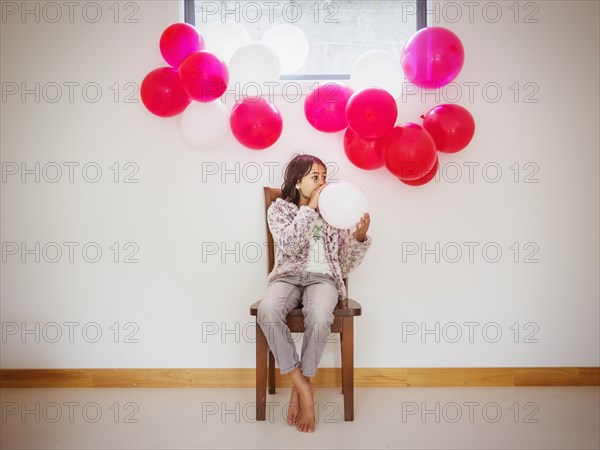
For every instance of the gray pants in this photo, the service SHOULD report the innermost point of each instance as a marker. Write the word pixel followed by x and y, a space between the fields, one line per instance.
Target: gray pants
pixel 319 298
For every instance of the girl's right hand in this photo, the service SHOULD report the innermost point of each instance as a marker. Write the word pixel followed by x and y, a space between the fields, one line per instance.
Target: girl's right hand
pixel 314 198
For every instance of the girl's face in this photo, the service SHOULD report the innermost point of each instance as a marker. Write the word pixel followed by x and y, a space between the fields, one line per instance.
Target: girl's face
pixel 311 181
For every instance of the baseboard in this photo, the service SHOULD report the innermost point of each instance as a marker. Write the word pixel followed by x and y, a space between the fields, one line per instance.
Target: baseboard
pixel 326 377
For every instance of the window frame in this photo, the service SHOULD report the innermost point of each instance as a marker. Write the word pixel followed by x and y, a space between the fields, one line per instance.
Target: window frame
pixel 190 17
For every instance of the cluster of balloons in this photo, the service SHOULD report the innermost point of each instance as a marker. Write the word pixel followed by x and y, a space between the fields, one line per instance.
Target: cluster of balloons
pixel 202 68
pixel 432 58
pixel 191 83
pixel 197 77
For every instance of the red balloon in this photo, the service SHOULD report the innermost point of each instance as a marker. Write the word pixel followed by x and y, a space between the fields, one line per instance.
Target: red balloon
pixel 162 92
pixel 371 112
pixel 364 153
pixel 325 107
pixel 425 178
pixel 178 41
pixel 256 123
pixel 409 151
pixel 204 76
pixel 451 126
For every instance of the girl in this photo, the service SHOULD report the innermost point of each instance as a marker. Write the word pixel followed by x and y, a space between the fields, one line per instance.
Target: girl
pixel 311 262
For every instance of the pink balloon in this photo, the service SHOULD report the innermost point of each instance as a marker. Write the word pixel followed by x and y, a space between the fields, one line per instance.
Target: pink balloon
pixel 432 57
pixel 162 92
pixel 256 123
pixel 409 151
pixel 325 107
pixel 178 41
pixel 204 76
pixel 371 112
pixel 451 126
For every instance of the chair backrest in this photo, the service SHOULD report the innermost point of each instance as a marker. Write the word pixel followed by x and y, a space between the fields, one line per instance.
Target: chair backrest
pixel 272 194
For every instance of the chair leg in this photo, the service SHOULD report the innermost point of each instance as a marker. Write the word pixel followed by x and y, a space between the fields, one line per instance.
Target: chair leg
pixel 271 373
pixel 261 373
pixel 342 352
pixel 348 367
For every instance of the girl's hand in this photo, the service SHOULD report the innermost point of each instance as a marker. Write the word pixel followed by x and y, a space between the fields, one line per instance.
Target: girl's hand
pixel 314 197
pixel 360 234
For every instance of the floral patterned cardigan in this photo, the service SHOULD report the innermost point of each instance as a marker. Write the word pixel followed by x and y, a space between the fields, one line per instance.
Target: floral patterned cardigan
pixel 290 227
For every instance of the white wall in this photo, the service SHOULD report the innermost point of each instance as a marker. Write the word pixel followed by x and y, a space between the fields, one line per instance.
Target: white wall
pixel 171 295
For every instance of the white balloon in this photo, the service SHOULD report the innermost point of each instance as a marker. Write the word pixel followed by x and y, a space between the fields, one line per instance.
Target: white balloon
pixel 204 125
pixel 342 204
pixel 253 63
pixel 223 39
pixel 377 68
pixel 291 45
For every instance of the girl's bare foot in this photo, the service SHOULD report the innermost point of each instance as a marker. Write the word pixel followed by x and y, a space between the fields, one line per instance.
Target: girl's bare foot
pixel 305 421
pixel 305 390
pixel 293 407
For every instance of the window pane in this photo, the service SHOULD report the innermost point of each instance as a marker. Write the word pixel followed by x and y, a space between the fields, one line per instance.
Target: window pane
pixel 338 31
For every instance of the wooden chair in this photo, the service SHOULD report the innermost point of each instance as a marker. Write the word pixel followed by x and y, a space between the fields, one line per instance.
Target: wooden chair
pixel 343 324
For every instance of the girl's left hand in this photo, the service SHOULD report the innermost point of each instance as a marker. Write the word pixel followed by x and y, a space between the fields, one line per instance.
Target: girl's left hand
pixel 360 233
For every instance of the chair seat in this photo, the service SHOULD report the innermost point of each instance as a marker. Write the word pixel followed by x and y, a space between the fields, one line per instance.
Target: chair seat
pixel 347 307
pixel 295 318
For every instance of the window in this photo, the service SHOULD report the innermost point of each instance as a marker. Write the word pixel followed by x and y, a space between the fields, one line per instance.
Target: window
pixel 338 31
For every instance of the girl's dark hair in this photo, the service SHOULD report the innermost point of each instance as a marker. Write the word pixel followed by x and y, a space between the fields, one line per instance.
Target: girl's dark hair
pixel 297 168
